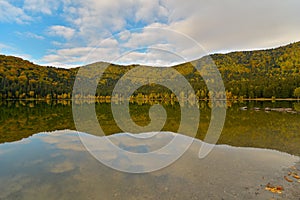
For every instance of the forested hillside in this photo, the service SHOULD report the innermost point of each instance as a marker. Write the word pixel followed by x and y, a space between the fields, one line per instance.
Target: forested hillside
pixel 248 74
pixel 266 73
pixel 22 79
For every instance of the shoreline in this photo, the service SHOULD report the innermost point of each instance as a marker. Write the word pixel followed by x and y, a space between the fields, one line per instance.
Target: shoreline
pixel 229 100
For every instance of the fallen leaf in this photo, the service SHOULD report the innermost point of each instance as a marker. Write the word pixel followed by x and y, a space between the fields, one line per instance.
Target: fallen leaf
pixel 287 179
pixel 296 176
pixel 274 189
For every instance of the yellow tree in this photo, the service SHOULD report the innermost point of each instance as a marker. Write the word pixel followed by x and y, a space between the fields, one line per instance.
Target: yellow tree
pixel 297 92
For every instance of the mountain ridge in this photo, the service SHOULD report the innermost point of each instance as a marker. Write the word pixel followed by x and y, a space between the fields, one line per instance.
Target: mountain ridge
pixel 248 74
pixel 137 64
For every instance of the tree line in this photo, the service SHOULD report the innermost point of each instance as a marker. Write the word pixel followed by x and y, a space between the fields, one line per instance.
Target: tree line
pixel 272 73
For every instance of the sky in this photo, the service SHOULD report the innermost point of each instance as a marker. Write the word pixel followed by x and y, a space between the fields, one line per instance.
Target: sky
pixel 69 33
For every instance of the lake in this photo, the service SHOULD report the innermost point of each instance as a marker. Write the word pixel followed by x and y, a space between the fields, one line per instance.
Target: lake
pixel 42 157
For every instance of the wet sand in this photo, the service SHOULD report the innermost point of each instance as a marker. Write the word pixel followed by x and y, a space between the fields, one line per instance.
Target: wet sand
pixel 57 166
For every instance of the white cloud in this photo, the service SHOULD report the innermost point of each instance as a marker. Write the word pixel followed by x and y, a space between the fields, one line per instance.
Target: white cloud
pixel 35 36
pixel 109 43
pixel 58 44
pixel 10 13
pixel 151 57
pixel 151 46
pixel 12 51
pixel 233 25
pixel 67 55
pixel 4 46
pixel 151 11
pixel 97 20
pixel 161 38
pixel 61 31
pixel 30 35
pixel 124 35
pixel 23 56
pixel 41 6
pixel 217 25
pixel 80 56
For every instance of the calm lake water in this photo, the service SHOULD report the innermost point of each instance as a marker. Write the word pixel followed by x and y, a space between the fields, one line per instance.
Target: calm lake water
pixel 42 158
pixel 243 128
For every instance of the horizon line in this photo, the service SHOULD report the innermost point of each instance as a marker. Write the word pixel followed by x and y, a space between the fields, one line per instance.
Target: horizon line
pixel 220 52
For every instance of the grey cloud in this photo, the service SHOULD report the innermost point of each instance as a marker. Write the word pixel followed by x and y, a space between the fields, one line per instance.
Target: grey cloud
pixel 217 25
pixel 233 25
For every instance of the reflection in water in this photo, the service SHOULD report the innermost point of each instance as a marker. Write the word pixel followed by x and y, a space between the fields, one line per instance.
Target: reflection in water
pixel 55 165
pixel 249 128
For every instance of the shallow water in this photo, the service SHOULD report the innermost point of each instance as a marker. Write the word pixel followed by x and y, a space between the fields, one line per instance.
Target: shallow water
pixel 56 165
pixel 249 128
pixel 35 164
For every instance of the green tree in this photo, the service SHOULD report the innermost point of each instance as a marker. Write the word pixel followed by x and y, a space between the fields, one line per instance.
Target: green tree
pixel 297 106
pixel 297 92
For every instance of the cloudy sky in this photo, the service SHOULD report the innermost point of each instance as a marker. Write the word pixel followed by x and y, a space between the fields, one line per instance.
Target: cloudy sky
pixel 67 33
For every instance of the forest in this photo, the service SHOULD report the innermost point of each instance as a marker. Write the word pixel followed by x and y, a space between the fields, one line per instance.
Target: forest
pixel 271 73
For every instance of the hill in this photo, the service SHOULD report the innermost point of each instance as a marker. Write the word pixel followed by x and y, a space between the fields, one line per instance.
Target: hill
pixel 248 74
pixel 22 79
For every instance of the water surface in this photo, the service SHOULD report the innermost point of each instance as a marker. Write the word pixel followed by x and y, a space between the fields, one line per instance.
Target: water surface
pixel 243 128
pixel 39 162
pixel 55 165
